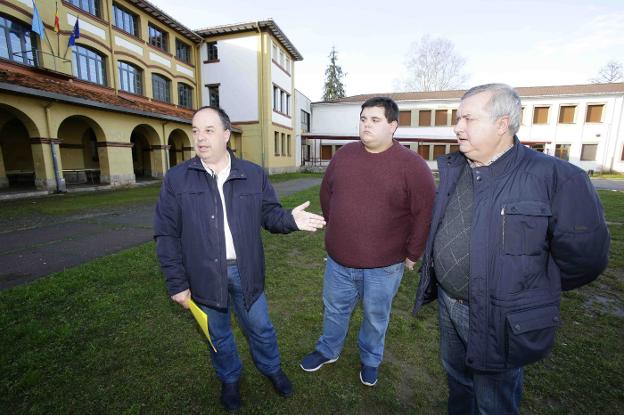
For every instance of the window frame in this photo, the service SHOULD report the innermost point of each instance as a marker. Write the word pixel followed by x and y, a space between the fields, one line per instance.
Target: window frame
pixel 212 52
pixel 26 38
pixel 92 7
pixel 159 42
pixel 156 77
pixel 77 66
pixel 535 114
pixel 562 109
pixel 125 12
pixel 185 93
pixel 586 146
pixel 587 113
pixel 127 70
pixel 187 56
pixel 212 88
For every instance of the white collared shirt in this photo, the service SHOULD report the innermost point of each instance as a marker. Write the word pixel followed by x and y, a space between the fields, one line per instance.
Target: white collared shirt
pixel 230 252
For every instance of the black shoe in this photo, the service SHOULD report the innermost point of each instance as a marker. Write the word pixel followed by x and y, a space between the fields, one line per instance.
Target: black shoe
pixel 230 396
pixel 281 383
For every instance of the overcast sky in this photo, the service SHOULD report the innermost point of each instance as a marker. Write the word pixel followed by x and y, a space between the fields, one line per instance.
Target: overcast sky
pixel 519 42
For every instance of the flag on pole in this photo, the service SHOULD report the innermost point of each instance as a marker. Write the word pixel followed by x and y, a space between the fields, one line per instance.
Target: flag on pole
pixel 57 23
pixel 74 35
pixel 37 24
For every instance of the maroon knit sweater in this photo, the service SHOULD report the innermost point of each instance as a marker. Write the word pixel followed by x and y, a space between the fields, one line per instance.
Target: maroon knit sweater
pixel 377 206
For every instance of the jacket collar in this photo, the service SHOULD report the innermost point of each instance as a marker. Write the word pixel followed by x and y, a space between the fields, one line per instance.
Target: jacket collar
pixel 506 163
pixel 236 171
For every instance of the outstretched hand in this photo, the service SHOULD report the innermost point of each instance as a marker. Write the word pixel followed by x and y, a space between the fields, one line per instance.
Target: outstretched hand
pixel 307 221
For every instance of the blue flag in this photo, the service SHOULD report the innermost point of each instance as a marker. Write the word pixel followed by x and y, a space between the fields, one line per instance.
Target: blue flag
pixel 37 24
pixel 75 34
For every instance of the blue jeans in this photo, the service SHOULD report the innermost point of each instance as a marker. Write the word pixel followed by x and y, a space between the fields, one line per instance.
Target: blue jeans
pixel 256 326
pixel 472 391
pixel 342 288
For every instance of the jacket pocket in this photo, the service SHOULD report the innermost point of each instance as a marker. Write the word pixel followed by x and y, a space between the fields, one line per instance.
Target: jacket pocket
pixel 530 334
pixel 525 227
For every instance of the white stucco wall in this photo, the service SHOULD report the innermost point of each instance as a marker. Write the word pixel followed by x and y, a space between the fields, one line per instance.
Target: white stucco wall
pixel 237 76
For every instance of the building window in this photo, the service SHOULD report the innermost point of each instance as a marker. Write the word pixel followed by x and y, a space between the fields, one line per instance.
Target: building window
pixel 281 101
pixel 540 115
pixel 454 148
pixel 88 65
pixel 288 141
pixel 622 154
pixel 130 78
pixel 305 121
pixel 588 152
pixel 594 113
pixel 423 150
pixel 185 95
pixel 90 6
pixel 213 95
pixel 125 20
pixel 16 42
pixel 424 118
pixel 157 38
pixel 183 51
pixel 440 118
pixel 161 88
pixel 439 150
pixel 213 52
pixel 454 117
pixel 562 151
pixel 284 145
pixel 405 118
pixel 274 52
pixel 566 114
pixel 276 144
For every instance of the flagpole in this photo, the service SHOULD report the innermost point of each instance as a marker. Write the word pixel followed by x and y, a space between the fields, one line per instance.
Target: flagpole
pixel 57 29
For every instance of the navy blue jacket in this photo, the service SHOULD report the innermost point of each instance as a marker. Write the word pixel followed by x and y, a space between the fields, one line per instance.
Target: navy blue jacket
pixel 188 228
pixel 538 228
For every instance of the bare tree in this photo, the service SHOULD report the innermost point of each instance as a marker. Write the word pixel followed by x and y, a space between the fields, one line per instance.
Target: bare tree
pixel 611 72
pixel 432 64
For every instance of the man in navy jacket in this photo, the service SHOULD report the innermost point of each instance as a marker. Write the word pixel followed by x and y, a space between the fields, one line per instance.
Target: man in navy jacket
pixel 207 229
pixel 511 229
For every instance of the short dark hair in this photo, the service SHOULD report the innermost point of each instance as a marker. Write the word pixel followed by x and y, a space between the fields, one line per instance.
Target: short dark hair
pixel 391 109
pixel 225 119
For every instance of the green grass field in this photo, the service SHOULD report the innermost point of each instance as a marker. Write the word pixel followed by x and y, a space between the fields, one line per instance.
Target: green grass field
pixel 105 338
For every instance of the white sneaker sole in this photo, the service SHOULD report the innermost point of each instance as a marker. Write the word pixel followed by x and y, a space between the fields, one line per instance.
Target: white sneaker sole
pixel 314 369
pixel 367 383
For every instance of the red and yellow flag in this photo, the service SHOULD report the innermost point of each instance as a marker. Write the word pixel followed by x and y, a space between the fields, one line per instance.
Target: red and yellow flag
pixel 57 25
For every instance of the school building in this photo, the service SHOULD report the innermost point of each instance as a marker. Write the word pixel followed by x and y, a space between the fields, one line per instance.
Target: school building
pixel 580 123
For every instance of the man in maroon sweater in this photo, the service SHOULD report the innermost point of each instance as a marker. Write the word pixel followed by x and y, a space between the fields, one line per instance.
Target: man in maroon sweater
pixel 377 198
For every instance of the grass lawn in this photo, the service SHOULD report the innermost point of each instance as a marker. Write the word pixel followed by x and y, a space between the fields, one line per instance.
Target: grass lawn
pixel 104 338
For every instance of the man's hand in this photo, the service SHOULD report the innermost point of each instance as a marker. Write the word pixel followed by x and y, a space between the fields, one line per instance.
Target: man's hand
pixel 182 298
pixel 409 264
pixel 307 221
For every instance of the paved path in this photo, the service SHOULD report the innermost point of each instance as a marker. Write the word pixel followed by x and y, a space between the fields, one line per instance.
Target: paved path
pixel 34 247
pixel 609 184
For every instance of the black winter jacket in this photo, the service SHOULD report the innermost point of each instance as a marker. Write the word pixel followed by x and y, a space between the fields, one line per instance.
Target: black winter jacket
pixel 538 228
pixel 188 229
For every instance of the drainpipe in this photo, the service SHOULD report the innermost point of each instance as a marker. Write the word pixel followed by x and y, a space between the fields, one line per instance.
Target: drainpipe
pixel 262 144
pixel 57 174
pixel 166 142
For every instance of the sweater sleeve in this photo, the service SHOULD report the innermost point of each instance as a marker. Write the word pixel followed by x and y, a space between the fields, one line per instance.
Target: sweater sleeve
pixel 325 193
pixel 421 192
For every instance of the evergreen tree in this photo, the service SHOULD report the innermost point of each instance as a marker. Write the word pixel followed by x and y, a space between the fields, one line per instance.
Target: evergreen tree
pixel 333 88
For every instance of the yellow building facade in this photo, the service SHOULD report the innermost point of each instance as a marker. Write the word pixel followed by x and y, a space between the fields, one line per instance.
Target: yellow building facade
pixel 112 108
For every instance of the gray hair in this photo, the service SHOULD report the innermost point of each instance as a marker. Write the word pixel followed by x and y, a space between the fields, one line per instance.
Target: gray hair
pixel 504 102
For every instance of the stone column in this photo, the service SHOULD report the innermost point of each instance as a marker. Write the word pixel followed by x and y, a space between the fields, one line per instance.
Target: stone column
pixel 45 178
pixel 158 160
pixel 116 166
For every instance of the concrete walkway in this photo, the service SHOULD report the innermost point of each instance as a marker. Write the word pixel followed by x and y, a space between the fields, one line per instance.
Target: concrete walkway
pixel 34 247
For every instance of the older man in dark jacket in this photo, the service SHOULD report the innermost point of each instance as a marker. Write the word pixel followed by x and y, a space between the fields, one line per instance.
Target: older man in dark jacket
pixel 511 229
pixel 207 230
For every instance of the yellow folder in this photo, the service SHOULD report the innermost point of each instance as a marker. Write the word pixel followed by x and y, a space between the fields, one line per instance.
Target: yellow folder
pixel 202 320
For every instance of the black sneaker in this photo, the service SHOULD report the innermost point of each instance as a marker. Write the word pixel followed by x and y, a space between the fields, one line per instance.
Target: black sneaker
pixel 281 383
pixel 314 361
pixel 230 396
